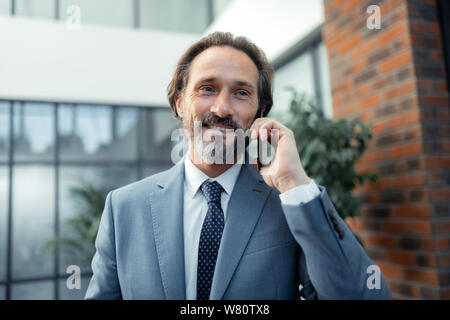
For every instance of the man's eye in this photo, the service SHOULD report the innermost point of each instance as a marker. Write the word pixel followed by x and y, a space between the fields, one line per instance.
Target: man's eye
pixel 207 89
pixel 242 93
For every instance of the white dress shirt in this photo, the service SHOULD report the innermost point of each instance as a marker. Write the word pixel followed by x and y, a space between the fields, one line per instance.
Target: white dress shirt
pixel 195 208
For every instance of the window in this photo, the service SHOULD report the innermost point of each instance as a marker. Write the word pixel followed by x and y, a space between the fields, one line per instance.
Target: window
pixel 5 7
pixel 297 74
pixel 35 8
pixel 35 290
pixel 34 133
pixel 4 131
pixel 174 15
pixel 305 68
pixel 57 147
pixel 33 212
pixel 4 185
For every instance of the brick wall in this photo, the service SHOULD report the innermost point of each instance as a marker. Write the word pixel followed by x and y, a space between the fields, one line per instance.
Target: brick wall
pixel 395 77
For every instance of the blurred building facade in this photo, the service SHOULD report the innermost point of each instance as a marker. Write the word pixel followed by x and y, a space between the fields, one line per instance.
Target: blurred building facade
pixel 88 104
pixel 83 100
pixel 397 77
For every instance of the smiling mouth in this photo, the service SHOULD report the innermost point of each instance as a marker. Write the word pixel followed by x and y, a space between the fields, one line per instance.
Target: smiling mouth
pixel 217 126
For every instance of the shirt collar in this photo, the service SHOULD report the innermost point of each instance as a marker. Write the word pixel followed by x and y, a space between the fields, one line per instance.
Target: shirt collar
pixel 195 177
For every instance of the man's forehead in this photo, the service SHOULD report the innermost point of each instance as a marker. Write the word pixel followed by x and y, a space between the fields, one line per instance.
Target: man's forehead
pixel 224 63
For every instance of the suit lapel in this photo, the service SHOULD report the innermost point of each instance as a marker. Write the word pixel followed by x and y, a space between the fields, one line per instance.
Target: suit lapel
pixel 167 218
pixel 245 207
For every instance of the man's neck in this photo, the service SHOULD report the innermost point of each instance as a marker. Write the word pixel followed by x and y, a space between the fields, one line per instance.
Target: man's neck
pixel 211 170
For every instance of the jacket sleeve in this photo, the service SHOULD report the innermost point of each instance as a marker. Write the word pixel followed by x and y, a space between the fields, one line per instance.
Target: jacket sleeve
pixel 104 284
pixel 332 263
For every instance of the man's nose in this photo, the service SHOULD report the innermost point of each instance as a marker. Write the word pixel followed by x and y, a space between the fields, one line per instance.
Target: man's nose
pixel 222 105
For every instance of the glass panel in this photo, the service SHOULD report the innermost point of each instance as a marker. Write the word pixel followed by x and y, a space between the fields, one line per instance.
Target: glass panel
pixel 36 8
pixel 36 290
pixel 5 7
pixel 159 125
pixel 84 131
pixel 33 220
pixel 34 132
pixel 171 15
pixel 2 292
pixel 297 74
pixel 97 133
pixel 4 185
pixel 325 81
pixel 4 131
pixel 102 12
pixel 73 294
pixel 72 205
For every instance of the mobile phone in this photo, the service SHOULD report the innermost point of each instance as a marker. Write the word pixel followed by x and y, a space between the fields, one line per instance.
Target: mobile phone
pixel 258 148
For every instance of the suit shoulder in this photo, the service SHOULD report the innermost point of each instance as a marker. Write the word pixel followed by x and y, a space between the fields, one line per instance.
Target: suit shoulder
pixel 139 188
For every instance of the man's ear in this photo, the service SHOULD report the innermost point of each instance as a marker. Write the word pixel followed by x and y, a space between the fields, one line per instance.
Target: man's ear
pixel 179 105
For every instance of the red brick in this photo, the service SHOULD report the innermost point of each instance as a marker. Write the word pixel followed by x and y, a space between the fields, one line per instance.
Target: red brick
pixel 401 257
pixel 390 34
pixel 378 127
pixel 420 275
pixel 400 90
pixel 436 178
pixel 403 119
pixel 412 211
pixel 433 100
pixel 404 289
pixel 418 26
pixel 351 5
pixel 364 48
pixel 396 62
pixel 335 38
pixel 421 227
pixel 408 180
pixel 389 270
pixel 373 156
pixel 441 226
pixel 442 243
pixel 446 294
pixel 396 227
pixel 444 260
pixel 382 183
pixel 434 27
pixel 405 150
pixel 437 162
pixel 349 44
pixel 371 101
pixel 425 260
pixel 382 241
pixel 439 194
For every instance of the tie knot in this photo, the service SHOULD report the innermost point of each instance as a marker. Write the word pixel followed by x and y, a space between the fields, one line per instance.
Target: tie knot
pixel 212 191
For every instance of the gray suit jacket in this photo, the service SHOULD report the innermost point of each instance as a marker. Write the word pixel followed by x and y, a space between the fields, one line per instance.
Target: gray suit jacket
pixel 267 249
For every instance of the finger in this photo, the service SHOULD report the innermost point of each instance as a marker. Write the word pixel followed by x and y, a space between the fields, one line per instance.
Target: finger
pixel 262 122
pixel 268 128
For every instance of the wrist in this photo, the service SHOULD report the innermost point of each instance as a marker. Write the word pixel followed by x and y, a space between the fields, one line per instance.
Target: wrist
pixel 291 181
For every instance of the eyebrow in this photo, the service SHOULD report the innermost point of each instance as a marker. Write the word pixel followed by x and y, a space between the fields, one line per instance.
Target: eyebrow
pixel 235 82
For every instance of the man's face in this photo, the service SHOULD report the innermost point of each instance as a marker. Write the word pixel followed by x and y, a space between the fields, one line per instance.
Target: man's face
pixel 222 90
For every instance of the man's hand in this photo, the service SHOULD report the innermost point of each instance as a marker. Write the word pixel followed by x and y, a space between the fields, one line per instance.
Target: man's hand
pixel 285 171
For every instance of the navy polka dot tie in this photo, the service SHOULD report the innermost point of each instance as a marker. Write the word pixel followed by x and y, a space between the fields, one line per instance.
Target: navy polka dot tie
pixel 210 237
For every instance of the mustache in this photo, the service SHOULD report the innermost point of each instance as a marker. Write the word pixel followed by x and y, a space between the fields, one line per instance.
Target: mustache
pixel 223 121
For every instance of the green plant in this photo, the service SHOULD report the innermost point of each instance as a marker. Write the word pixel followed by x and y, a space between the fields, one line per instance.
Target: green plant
pixel 82 228
pixel 329 149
